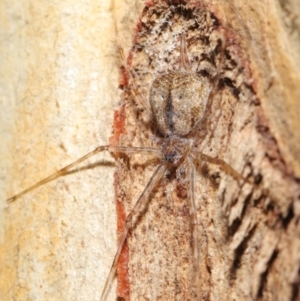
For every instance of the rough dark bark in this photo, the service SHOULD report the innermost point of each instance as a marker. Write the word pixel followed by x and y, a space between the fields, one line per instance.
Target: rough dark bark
pixel 248 233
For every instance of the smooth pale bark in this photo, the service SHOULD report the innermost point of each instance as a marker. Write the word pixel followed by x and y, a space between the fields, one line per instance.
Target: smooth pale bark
pixel 59 88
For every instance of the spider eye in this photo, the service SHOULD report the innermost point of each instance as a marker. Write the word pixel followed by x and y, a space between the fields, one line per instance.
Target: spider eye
pixel 170 157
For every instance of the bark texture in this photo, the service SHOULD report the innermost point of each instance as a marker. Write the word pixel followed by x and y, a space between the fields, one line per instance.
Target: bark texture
pixel 59 79
pixel 248 232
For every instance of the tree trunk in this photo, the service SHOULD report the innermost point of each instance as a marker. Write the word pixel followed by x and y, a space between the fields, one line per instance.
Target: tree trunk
pixel 59 91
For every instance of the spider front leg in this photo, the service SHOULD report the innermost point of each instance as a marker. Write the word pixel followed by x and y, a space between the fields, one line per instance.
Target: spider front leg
pixel 66 169
pixel 144 197
pixel 194 222
pixel 224 166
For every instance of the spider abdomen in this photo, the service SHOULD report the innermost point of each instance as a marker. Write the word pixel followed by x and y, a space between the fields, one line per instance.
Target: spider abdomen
pixel 178 101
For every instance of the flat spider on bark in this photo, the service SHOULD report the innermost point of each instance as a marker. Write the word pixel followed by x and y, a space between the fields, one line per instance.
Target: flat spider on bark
pixel 174 104
pixel 205 92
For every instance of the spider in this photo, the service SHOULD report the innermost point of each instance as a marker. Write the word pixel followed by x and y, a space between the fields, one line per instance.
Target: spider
pixel 182 116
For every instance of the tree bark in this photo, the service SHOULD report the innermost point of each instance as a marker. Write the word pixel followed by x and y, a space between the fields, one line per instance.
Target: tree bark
pixel 59 90
pixel 248 233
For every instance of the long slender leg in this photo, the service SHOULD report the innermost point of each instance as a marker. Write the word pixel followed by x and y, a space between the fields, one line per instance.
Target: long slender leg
pixel 131 73
pixel 157 175
pixel 184 62
pixel 64 170
pixel 202 123
pixel 226 167
pixel 194 223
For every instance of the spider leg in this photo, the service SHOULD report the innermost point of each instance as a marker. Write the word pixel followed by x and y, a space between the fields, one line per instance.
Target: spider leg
pixel 131 74
pixel 184 62
pixel 224 166
pixel 194 222
pixel 144 197
pixel 134 88
pixel 202 124
pixel 64 170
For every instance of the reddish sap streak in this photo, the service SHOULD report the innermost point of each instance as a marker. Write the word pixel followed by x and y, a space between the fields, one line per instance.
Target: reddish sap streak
pixel 122 268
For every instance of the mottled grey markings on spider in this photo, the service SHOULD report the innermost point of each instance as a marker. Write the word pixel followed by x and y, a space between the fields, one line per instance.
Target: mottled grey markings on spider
pixel 178 100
